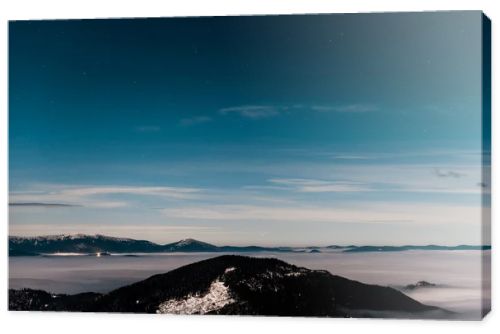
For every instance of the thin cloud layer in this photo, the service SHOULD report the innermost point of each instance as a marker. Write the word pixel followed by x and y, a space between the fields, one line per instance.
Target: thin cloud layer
pixel 267 111
pixel 380 213
pixel 96 196
pixel 44 205
pixel 447 173
pixel 252 111
pixel 319 186
pixel 195 120
pixel 347 108
pixel 148 128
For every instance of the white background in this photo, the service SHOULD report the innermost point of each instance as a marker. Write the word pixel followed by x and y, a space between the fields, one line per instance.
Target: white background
pixel 21 322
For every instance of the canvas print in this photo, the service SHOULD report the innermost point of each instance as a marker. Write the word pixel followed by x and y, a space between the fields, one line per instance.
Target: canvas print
pixel 332 165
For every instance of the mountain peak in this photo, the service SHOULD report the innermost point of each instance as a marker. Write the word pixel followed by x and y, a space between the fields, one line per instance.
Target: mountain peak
pixel 78 243
pixel 189 241
pixel 190 244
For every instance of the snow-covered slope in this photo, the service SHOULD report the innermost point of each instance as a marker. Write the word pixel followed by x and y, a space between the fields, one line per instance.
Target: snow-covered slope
pixel 214 299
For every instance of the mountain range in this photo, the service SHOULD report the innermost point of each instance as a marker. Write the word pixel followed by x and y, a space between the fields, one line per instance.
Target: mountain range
pixel 104 245
pixel 232 284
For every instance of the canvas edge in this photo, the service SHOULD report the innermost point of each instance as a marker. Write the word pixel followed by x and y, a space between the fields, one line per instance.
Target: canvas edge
pixel 486 161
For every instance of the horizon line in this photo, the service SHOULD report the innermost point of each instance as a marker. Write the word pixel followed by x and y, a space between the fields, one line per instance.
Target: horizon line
pixel 248 245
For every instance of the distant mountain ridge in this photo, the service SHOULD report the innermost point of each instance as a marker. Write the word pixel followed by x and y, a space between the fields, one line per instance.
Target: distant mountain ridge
pixel 411 247
pixel 94 244
pixel 79 243
pixel 232 284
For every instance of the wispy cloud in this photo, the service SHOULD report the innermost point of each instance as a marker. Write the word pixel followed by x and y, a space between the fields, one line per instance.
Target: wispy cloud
pixel 447 173
pixel 351 157
pixel 267 111
pixel 380 213
pixel 173 192
pixel 95 196
pixel 195 120
pixel 44 205
pixel 253 111
pixel 346 108
pixel 106 204
pixel 147 128
pixel 319 186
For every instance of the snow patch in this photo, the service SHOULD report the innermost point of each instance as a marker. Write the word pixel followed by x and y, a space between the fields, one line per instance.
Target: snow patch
pixel 185 242
pixel 217 297
pixel 57 237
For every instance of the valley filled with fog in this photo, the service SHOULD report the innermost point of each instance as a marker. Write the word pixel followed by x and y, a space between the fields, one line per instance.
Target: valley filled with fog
pixel 455 275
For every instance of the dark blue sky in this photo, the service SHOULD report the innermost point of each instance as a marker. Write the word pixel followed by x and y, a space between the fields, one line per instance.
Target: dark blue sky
pixel 159 117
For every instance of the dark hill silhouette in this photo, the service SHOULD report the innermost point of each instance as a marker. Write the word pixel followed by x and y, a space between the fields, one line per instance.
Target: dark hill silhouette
pixel 233 284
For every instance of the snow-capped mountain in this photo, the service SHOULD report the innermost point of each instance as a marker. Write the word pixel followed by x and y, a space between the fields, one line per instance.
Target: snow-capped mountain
pixel 189 245
pixel 78 243
pixel 91 244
